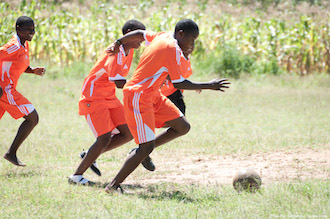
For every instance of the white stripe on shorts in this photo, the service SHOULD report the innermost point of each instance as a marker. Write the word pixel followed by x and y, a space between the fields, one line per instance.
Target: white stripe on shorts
pixel 91 126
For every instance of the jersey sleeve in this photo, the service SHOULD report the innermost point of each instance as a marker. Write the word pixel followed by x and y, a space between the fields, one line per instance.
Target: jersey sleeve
pixel 6 52
pixel 149 36
pixel 113 66
pixel 174 66
pixel 186 68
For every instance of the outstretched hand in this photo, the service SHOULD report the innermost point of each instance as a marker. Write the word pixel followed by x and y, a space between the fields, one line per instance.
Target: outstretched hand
pixel 219 84
pixel 113 49
pixel 39 71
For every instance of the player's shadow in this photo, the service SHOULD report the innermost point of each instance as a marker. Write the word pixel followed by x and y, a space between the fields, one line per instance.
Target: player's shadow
pixel 127 187
pixel 151 192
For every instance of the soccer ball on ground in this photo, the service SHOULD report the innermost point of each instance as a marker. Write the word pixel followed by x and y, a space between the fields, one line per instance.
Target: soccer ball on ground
pixel 247 179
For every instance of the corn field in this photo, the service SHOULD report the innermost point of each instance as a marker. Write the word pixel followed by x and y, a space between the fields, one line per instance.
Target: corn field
pixel 78 32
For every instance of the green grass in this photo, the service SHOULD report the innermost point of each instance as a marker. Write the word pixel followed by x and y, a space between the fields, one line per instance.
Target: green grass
pixel 259 114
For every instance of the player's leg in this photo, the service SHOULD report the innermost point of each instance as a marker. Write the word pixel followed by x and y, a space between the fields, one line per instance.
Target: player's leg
pixel 177 99
pixel 131 163
pixel 101 125
pixel 121 134
pixel 167 115
pixel 93 153
pixel 177 128
pixel 121 138
pixel 141 122
pixel 18 106
pixel 23 132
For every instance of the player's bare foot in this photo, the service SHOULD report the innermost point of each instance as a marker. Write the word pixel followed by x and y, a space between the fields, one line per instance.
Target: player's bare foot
pixel 14 160
pixel 114 189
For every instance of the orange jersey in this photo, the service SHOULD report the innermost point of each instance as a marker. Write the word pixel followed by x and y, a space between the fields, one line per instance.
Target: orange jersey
pixel 160 59
pixel 99 88
pixel 14 60
pixel 167 88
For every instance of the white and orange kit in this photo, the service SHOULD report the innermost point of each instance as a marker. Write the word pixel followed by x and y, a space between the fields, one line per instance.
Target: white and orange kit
pixel 98 101
pixel 145 107
pixel 14 60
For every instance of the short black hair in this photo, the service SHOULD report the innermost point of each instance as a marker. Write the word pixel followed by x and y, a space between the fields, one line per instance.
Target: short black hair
pixel 23 20
pixel 132 25
pixel 186 25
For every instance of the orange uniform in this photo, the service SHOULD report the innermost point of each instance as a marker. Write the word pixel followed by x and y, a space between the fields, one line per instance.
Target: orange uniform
pixel 14 60
pixel 98 101
pixel 145 107
pixel 167 88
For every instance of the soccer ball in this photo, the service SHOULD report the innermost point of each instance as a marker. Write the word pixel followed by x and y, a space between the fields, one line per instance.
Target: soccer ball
pixel 247 180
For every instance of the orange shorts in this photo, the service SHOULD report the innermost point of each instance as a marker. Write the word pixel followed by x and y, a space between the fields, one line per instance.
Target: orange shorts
pixel 14 103
pixel 145 112
pixel 106 120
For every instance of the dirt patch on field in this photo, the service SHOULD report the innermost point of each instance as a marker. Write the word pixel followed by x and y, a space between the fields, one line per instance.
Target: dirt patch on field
pixel 301 164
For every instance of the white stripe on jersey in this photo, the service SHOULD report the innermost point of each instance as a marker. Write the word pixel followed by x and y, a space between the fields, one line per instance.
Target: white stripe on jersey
pixel 120 55
pixel 145 38
pixel 5 68
pixel 98 75
pixel 178 52
pixel 12 49
pixel 117 77
pixel 154 78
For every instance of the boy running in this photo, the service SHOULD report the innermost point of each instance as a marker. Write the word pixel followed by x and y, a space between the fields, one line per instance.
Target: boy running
pixel 145 107
pixel 175 95
pixel 98 103
pixel 14 61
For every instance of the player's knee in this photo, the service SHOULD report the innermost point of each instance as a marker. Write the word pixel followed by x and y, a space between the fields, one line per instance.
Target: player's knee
pixel 127 135
pixel 104 139
pixel 33 118
pixel 146 149
pixel 184 128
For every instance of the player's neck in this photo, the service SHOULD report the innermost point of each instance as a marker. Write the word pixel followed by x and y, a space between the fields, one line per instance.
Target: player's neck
pixel 21 40
pixel 126 50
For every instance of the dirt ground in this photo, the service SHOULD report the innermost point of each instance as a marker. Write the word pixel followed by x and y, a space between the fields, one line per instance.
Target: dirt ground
pixel 298 164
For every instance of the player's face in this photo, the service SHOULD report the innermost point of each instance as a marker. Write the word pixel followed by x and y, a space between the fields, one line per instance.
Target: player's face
pixel 26 32
pixel 134 44
pixel 187 41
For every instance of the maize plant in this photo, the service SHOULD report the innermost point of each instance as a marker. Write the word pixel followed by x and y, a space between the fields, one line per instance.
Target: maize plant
pixel 64 36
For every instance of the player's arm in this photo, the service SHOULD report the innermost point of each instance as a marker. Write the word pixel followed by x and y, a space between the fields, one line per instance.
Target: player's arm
pixel 37 71
pixel 215 84
pixel 135 35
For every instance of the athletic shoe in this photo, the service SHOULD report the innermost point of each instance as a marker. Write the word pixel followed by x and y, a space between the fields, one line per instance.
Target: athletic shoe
pixel 93 167
pixel 79 180
pixel 147 162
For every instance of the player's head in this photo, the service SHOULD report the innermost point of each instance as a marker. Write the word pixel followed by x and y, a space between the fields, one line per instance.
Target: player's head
pixel 132 25
pixel 186 32
pixel 25 28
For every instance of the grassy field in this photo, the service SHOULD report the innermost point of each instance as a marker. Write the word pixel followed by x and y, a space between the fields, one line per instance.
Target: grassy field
pixel 259 114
